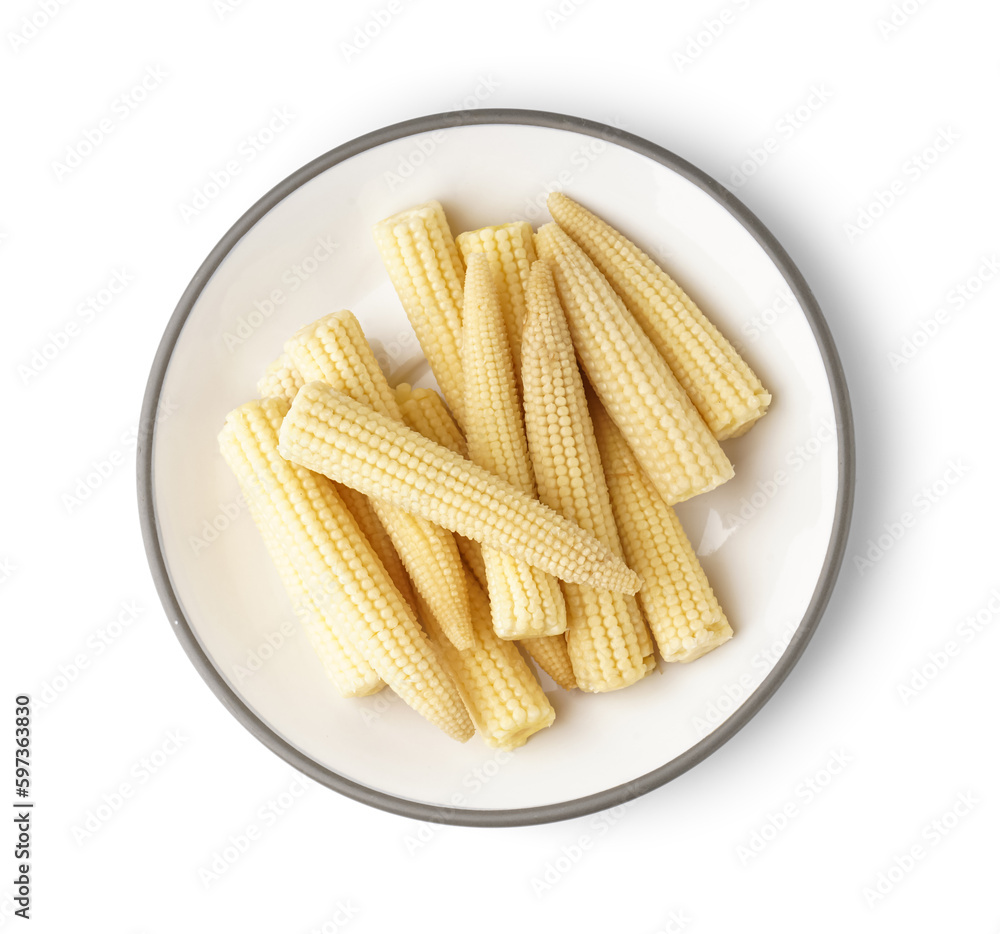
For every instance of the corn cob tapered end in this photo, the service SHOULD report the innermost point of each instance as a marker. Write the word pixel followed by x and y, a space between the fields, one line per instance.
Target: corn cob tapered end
pixel 510 249
pixel 502 695
pixel 722 386
pixel 677 599
pixel 424 265
pixel 631 378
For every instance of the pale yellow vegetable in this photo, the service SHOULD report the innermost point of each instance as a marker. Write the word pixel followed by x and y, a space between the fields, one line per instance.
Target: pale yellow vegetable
pixel 726 392
pixel 510 249
pixel 419 253
pixel 676 597
pixel 424 411
pixel 368 521
pixel 552 656
pixel 342 660
pixel 334 350
pixel 609 647
pixel 332 434
pixel 503 696
pixel 281 378
pixel 526 601
pixel 338 566
pixel 659 421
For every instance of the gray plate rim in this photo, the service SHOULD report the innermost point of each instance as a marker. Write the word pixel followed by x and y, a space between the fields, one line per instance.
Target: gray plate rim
pixel 618 794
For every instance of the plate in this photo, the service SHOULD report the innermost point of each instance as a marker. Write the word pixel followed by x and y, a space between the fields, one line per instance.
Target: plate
pixel 771 540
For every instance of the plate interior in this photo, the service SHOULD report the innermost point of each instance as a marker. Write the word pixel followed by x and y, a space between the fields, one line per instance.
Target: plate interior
pixel 763 537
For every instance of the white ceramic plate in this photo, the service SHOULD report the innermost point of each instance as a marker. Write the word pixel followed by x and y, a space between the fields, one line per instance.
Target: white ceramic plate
pixel 771 540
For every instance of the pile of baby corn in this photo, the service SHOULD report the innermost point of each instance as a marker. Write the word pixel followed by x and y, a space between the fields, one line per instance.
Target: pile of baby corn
pixel 434 544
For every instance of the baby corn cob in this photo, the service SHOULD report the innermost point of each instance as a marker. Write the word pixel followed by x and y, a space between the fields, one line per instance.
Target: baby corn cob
pixel 501 693
pixel 368 521
pixel 510 249
pixel 726 392
pixel 552 656
pixel 425 412
pixel 659 421
pixel 343 662
pixel 526 601
pixel 332 434
pixel 420 255
pixel 605 635
pixel 335 350
pixel 336 563
pixel 676 597
pixel 281 379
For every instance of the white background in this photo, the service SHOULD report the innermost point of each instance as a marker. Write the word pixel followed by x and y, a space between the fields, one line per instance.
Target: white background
pixel 738 843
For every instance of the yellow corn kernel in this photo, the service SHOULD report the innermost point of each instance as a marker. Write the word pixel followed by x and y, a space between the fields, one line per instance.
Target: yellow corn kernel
pixel 510 249
pixel 605 634
pixel 335 350
pixel 676 597
pixel 425 412
pixel 659 421
pixel 552 656
pixel 726 392
pixel 526 601
pixel 342 660
pixel 281 379
pixel 336 562
pixel 425 268
pixel 501 693
pixel 332 434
